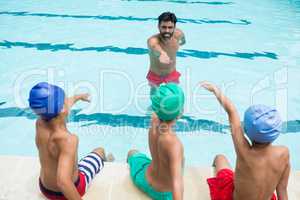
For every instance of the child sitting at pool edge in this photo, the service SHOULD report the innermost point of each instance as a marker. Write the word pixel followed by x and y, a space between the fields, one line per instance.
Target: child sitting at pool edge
pixel 261 168
pixel 61 178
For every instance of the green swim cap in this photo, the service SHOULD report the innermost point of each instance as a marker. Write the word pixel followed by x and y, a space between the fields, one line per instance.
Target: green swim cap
pixel 168 101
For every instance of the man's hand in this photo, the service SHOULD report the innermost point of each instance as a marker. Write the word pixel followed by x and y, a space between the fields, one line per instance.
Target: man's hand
pixel 165 59
pixel 179 35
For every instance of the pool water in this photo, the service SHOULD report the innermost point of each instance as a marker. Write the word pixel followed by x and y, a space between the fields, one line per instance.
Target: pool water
pixel 248 48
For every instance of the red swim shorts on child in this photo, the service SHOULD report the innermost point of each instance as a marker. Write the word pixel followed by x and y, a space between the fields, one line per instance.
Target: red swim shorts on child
pixel 221 187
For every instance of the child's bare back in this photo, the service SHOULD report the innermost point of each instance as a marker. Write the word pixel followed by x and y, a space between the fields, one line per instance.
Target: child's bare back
pixel 49 145
pixel 260 172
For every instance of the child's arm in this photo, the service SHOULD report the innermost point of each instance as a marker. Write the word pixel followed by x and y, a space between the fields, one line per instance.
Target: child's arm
pixel 281 188
pixel 70 101
pixel 240 142
pixel 66 162
pixel 175 163
pixel 153 136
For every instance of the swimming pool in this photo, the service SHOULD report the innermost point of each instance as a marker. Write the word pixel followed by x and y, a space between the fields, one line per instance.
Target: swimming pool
pixel 250 49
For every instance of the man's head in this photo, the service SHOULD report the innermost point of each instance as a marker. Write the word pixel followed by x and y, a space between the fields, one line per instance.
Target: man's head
pixel 262 124
pixel 166 24
pixel 168 101
pixel 46 100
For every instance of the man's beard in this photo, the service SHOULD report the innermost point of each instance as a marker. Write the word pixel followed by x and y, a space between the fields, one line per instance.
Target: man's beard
pixel 166 35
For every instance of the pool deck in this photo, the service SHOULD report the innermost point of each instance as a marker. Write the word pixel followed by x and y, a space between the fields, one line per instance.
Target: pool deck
pixel 19 180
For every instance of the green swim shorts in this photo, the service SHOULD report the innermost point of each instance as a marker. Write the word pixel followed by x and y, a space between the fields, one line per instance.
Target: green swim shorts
pixel 139 163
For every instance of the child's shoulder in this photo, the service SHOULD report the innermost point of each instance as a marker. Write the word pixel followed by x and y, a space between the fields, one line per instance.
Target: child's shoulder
pixel 280 148
pixel 65 139
pixel 278 155
pixel 281 151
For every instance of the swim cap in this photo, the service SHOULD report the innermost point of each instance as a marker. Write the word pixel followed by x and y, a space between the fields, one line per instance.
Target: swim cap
pixel 168 101
pixel 46 100
pixel 262 124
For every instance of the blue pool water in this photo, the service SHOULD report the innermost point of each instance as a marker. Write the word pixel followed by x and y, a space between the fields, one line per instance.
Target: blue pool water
pixel 251 49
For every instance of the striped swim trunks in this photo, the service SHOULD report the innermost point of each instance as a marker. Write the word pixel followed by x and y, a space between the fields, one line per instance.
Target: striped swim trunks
pixel 88 167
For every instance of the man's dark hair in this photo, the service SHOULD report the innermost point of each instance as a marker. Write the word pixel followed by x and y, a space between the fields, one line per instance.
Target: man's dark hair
pixel 167 16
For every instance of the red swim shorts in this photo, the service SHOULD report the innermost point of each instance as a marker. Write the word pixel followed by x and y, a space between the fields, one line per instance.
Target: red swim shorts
pixel 80 185
pixel 221 187
pixel 88 167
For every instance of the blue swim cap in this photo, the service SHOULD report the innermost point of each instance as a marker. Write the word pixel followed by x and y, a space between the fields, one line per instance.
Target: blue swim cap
pixel 167 101
pixel 46 100
pixel 262 124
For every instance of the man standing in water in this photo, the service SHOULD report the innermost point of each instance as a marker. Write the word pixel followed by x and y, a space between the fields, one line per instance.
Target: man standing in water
pixel 162 51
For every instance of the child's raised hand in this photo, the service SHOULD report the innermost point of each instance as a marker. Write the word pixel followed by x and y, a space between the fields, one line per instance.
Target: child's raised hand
pixel 209 86
pixel 85 97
